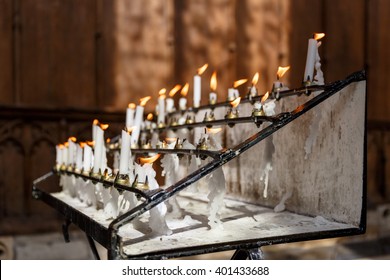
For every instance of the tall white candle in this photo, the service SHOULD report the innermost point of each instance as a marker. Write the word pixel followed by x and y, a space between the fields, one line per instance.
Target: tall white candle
pixel 310 60
pixel 130 115
pixel 79 157
pixel 138 119
pixel 125 153
pixel 99 142
pixel 71 151
pixel 161 106
pixel 197 91
pixel 87 158
pixel 59 153
pixel 95 124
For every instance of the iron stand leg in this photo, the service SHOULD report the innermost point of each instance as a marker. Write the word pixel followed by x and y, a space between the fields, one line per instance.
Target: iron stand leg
pixel 93 247
pixel 248 254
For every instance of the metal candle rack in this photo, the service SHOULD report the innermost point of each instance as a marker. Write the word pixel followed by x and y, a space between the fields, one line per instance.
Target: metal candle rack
pixel 109 237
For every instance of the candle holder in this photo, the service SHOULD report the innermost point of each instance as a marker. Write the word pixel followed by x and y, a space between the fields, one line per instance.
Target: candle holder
pixel 144 186
pixel 174 122
pixel 146 145
pixel 97 176
pixel 231 114
pixel 209 118
pixel 258 112
pixel 122 179
pixel 85 173
pixel 252 93
pixel 161 125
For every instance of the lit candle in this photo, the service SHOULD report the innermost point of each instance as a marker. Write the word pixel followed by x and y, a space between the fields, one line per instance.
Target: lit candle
pixel 280 73
pixel 59 154
pixel 125 153
pixel 65 153
pixel 87 158
pixel 79 156
pixel 253 89
pixel 98 152
pixel 198 85
pixel 170 105
pixel 183 99
pixel 71 150
pixel 233 93
pixel 95 124
pixel 213 87
pixel 269 106
pixel 138 120
pixel 130 115
pixel 161 106
pixel 311 57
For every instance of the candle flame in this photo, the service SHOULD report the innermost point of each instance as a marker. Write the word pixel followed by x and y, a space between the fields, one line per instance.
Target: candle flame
pixel 152 159
pixel 82 144
pixel 174 90
pixel 104 126
pixel 91 143
pixel 131 106
pixel 235 102
pixel 170 140
pixel 66 144
pixel 108 140
pixel 213 81
pixel 265 97
pixel 282 71
pixel 72 138
pixel 255 79
pixel 202 69
pixel 162 92
pixel 144 100
pixel 239 82
pixel 318 36
pixel 95 122
pixel 184 90
pixel 61 146
pixel 149 117
pixel 214 130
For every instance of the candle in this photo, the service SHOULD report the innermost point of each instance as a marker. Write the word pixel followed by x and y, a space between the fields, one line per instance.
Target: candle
pixel 183 99
pixel 130 115
pixel 59 154
pixel 71 150
pixel 125 153
pixel 161 106
pixel 233 93
pixel 198 85
pixel 213 87
pixel 65 153
pixel 79 156
pixel 170 105
pixel 311 57
pixel 253 89
pixel 279 74
pixel 138 120
pixel 269 106
pixel 95 124
pixel 87 158
pixel 99 142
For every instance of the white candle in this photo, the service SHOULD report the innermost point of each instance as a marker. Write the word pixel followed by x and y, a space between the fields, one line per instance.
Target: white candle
pixel 310 60
pixel 59 154
pixel 231 94
pixel 64 155
pixel 138 119
pixel 87 158
pixel 213 98
pixel 161 106
pixel 125 153
pixel 170 105
pixel 79 157
pixel 183 103
pixel 130 115
pixel 99 143
pixel 197 91
pixel 95 124
pixel 71 151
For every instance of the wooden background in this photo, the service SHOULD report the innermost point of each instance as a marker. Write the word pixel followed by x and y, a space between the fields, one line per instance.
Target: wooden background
pixel 65 62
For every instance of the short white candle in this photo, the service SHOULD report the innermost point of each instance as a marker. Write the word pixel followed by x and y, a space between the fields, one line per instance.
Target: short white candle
pixel 183 99
pixel 170 105
pixel 79 157
pixel 125 153
pixel 213 97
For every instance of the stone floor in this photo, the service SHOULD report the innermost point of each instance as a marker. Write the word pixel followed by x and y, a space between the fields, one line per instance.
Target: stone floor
pixel 375 244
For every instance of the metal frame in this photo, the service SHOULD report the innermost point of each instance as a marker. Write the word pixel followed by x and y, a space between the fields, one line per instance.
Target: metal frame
pixel 109 238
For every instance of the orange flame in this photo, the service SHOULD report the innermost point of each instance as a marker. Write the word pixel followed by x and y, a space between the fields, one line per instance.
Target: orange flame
pixel 104 126
pixel 282 71
pixel 214 130
pixel 170 140
pixel 213 81
pixel 235 102
pixel 202 69
pixel 149 117
pixel 95 122
pixel 239 82
pixel 108 140
pixel 184 90
pixel 144 100
pixel 149 159
pixel 72 138
pixel 318 36
pixel 61 146
pixel 91 143
pixel 66 144
pixel 162 92
pixel 265 97
pixel 131 106
pixel 255 79
pixel 174 90
pixel 82 144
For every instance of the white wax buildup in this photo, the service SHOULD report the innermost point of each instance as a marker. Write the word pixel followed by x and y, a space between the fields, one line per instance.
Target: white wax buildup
pixel 125 153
